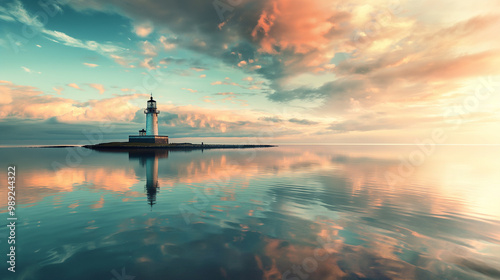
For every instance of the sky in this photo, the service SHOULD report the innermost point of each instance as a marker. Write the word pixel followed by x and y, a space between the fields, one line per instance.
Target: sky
pixel 251 71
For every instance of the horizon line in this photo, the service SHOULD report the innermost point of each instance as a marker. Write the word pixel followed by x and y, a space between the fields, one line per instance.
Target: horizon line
pixel 284 144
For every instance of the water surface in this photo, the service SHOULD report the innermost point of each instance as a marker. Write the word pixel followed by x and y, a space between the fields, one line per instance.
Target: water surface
pixel 291 212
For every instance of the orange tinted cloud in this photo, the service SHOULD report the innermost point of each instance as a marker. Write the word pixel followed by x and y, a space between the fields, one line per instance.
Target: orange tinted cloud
pixel 299 25
pixel 143 29
pixel 73 85
pixel 30 102
pixel 98 87
pixel 92 65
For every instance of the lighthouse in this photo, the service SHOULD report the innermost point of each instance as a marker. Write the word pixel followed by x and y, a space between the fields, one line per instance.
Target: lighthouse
pixel 150 135
pixel 151 117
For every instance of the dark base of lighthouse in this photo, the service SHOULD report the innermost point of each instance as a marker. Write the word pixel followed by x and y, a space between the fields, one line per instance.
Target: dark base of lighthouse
pixel 148 139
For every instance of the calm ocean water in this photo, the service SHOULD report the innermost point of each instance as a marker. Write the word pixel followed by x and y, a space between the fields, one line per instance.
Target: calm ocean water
pixel 291 212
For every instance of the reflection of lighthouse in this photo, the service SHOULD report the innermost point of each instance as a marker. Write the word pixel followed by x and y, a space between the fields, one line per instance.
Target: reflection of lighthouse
pixel 149 159
pixel 151 117
pixel 152 187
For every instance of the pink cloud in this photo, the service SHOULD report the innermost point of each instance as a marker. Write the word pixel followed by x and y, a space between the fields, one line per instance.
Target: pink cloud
pixel 125 62
pixel 30 103
pixel 58 90
pixel 225 93
pixel 98 87
pixel 73 85
pixel 91 65
pixel 148 63
pixel 299 25
pixel 190 90
pixel 143 29
pixel 225 83
pixel 148 49
pixel 166 44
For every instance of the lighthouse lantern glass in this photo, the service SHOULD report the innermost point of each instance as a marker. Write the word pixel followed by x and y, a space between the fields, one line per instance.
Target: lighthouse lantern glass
pixel 151 104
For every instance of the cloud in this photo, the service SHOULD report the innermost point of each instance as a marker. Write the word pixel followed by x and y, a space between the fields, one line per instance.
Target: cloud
pixel 148 63
pixel 58 90
pixel 143 29
pixel 227 97
pixel 5 17
pixel 203 76
pixel 122 61
pixel 198 69
pixel 17 11
pixel 73 85
pixel 190 90
pixel 56 131
pixel 5 96
pixel 271 119
pixel 335 89
pixel 67 40
pixel 148 49
pixel 169 60
pixel 167 44
pixel 91 65
pixel 226 83
pixel 289 38
pixel 334 59
pixel 192 119
pixel 19 102
pixel 372 122
pixel 98 87
pixel 27 70
pixel 30 103
pixel 459 67
pixel 302 121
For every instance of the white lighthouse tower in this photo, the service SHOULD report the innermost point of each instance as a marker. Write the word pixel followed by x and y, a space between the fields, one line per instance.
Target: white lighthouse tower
pixel 150 135
pixel 151 117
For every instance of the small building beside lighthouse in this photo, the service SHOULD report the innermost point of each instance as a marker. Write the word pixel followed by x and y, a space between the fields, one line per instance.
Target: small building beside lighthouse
pixel 150 135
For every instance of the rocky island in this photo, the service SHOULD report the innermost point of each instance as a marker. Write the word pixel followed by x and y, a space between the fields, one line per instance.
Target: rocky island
pixel 171 146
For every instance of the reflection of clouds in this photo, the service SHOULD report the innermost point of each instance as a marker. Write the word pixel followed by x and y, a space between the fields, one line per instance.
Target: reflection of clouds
pixel 447 183
pixel 98 204
pixel 274 209
pixel 382 254
pixel 111 179
pixel 165 249
pixel 42 182
pixel 471 177
pixel 222 167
